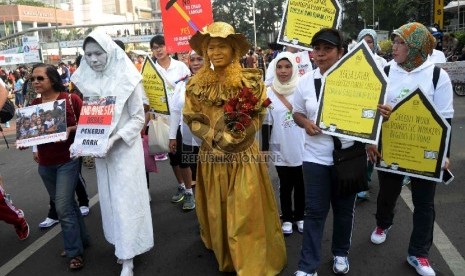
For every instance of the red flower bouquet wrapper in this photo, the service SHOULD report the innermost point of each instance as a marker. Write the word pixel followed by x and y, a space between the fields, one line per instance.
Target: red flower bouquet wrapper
pixel 239 110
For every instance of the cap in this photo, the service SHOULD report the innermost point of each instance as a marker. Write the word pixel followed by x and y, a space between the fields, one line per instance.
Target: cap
pixel 326 36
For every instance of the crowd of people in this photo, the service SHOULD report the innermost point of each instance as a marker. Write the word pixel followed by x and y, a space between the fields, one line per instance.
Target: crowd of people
pixel 205 90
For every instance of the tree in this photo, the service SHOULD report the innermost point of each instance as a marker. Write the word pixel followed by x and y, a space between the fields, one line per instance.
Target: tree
pixel 240 15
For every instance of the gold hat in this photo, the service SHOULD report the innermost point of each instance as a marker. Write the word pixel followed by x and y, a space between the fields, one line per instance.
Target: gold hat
pixel 218 29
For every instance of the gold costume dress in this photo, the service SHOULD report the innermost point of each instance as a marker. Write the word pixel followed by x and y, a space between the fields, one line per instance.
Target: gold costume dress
pixel 235 202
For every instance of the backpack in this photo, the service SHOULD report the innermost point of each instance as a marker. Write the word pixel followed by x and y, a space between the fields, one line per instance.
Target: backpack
pixel 7 112
pixel 436 73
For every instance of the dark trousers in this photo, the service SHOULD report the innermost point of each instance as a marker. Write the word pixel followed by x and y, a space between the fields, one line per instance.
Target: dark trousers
pixel 320 192
pixel 81 193
pixel 291 179
pixel 423 191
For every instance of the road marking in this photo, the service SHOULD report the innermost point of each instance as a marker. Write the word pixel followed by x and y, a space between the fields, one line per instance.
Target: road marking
pixel 447 250
pixel 35 246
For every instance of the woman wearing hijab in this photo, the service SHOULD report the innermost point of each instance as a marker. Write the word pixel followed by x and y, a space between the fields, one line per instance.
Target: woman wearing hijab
pixel 371 38
pixel 236 206
pixel 412 43
pixel 286 155
pixel 124 198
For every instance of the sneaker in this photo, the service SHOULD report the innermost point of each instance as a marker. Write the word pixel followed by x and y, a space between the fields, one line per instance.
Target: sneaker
pixel 340 265
pixel 189 202
pixel 48 222
pixel 22 230
pixel 301 273
pixel 379 235
pixel 84 210
pixel 161 157
pixel 287 228
pixel 179 195
pixel 300 226
pixel 406 181
pixel 363 195
pixel 421 265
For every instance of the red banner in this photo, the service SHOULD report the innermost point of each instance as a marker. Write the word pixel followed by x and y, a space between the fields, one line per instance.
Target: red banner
pixel 181 19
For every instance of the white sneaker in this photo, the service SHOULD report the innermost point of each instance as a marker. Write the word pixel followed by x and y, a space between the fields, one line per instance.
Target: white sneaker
pixel 287 228
pixel 379 235
pixel 48 222
pixel 421 265
pixel 340 265
pixel 300 226
pixel 301 273
pixel 84 210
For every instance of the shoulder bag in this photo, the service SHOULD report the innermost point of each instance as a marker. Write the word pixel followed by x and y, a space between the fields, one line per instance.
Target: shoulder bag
pixel 351 167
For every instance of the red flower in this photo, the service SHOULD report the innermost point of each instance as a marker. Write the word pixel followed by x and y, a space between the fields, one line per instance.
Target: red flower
pixel 266 102
pixel 228 108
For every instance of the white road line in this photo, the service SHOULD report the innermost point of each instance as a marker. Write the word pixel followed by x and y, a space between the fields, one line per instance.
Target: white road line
pixel 447 250
pixel 35 246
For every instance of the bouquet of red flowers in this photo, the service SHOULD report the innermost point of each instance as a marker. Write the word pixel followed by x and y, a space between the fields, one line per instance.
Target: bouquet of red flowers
pixel 239 110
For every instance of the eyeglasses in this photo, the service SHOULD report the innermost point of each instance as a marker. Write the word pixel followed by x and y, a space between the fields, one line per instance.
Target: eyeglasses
pixel 38 78
pixel 156 48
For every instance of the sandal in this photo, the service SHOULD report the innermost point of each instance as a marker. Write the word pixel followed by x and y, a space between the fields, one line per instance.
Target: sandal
pixel 76 263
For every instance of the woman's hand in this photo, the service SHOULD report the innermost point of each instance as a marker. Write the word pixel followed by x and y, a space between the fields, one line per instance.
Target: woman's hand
pixel 446 164
pixel 172 145
pixel 35 156
pixel 311 128
pixel 385 110
pixel 373 153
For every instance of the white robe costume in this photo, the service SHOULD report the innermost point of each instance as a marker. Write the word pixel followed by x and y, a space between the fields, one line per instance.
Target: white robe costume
pixel 122 186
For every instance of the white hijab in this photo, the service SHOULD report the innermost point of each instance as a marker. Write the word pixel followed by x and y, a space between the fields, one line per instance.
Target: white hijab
pixel 119 78
pixel 286 88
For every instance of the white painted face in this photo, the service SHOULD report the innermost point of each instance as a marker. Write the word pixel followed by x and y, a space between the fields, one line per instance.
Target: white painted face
pixel 95 56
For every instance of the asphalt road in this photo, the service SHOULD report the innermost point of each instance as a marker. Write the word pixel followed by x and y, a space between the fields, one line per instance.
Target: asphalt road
pixel 178 249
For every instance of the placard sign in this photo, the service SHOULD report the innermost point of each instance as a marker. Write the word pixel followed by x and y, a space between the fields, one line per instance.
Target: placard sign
pixel 154 87
pixel 351 92
pixel 303 18
pixel 415 139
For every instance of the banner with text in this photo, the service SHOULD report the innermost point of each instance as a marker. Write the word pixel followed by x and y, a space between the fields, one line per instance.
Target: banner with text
pixel 94 125
pixel 181 20
pixel 41 124
pixel 303 18
pixel 350 94
pixel 415 139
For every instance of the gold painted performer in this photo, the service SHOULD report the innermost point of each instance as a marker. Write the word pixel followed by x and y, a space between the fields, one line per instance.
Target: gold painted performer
pixel 236 205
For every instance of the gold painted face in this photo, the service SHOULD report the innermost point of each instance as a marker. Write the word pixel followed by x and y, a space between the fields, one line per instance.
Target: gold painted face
pixel 220 52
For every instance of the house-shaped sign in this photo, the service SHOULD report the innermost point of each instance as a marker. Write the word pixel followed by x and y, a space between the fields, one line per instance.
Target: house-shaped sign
pixel 154 87
pixel 351 91
pixel 415 139
pixel 303 18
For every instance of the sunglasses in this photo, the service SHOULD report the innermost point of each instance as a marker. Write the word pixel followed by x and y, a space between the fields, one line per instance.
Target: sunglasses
pixel 38 78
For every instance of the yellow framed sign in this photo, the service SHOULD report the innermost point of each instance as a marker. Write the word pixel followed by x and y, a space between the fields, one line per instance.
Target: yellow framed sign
pixel 303 18
pixel 155 87
pixel 349 97
pixel 415 139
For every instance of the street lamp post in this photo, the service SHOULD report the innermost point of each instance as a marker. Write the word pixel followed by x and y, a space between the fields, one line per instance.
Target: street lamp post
pixel 373 14
pixel 254 25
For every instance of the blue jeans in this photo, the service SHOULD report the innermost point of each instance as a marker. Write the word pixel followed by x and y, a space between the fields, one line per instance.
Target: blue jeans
pixel 60 181
pixel 320 191
pixel 423 191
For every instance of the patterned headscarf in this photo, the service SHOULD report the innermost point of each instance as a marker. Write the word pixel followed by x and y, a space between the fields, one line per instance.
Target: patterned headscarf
pixel 371 33
pixel 420 44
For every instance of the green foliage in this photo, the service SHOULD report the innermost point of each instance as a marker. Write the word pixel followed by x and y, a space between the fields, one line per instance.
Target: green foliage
pixel 24 3
pixel 240 15
pixel 386 46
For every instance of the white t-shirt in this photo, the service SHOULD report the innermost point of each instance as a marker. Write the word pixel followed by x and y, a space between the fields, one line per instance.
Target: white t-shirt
pixel 401 83
pixel 174 74
pixel 319 148
pixel 437 57
pixel 287 138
